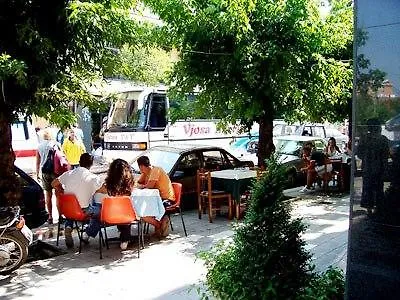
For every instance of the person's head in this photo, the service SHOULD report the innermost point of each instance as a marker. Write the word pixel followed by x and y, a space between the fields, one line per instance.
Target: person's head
pixel 374 126
pixel 119 181
pixel 86 160
pixel 305 133
pixel 47 135
pixel 143 163
pixel 71 134
pixel 307 150
pixel 332 142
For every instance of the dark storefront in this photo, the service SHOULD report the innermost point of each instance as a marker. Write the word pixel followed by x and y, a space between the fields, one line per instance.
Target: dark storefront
pixel 373 268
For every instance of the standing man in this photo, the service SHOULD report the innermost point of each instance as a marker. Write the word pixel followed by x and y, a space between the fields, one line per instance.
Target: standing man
pixel 373 150
pixel 83 184
pixel 48 176
pixel 153 177
pixel 73 148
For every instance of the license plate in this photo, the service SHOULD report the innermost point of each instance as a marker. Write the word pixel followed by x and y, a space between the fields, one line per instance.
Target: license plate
pixel 27 234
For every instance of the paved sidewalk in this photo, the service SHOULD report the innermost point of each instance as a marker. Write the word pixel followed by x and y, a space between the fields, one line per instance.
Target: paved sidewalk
pixel 168 269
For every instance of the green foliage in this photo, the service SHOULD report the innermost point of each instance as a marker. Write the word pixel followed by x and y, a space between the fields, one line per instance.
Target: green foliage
pixel 255 60
pixel 142 64
pixel 244 53
pixel 12 68
pixel 327 286
pixel 52 50
pixel 266 259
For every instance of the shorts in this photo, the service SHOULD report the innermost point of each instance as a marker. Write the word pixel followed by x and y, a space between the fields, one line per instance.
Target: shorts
pixel 321 169
pixel 47 179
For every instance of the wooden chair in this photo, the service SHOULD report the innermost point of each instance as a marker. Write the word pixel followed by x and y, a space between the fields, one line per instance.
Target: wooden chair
pixel 69 208
pixel 245 197
pixel 207 196
pixel 118 210
pixel 176 207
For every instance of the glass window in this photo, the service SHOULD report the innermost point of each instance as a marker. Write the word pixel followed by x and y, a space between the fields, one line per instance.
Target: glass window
pixel 189 164
pixel 318 131
pixel 373 256
pixel 158 116
pixel 289 147
pixel 214 160
pixel 18 131
pixel 278 128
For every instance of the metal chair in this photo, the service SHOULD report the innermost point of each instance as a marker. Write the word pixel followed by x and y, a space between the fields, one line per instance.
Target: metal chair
pixel 69 208
pixel 208 196
pixel 118 210
pixel 176 207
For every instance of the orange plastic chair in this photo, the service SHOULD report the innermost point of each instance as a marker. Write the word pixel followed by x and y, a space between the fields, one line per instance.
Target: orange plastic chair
pixel 69 208
pixel 176 207
pixel 118 210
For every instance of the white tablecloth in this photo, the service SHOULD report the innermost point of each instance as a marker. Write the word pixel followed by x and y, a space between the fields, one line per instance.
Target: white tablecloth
pixel 234 174
pixel 148 203
pixel 342 157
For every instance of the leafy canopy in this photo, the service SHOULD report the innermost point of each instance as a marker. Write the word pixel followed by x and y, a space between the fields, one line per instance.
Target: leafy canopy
pixel 248 56
pixel 53 50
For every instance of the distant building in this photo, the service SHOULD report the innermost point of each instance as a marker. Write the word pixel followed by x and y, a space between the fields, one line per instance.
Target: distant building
pixel 386 91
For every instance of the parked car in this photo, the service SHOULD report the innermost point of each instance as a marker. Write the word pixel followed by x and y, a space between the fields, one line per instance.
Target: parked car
pixel 241 146
pixel 290 150
pixel 32 203
pixel 181 162
pixel 324 131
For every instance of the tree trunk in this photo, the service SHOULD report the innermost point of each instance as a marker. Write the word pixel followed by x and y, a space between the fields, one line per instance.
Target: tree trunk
pixel 265 142
pixel 9 186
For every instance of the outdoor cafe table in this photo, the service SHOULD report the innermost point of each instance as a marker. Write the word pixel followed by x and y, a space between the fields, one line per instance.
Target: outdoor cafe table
pixel 340 161
pixel 148 203
pixel 233 181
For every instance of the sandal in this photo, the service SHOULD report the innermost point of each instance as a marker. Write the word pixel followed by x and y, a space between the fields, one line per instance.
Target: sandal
pixel 50 221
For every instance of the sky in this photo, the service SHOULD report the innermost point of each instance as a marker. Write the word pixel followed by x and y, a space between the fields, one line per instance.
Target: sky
pixel 381 19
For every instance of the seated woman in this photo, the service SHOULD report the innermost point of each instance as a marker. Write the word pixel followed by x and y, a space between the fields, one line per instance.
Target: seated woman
pixel 119 182
pixel 315 167
pixel 332 149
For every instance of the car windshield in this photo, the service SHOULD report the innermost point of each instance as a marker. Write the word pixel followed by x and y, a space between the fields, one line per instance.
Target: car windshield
pixel 289 147
pixel 163 159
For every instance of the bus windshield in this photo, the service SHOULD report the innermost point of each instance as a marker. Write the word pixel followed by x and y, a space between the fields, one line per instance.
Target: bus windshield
pixel 125 113
pixel 153 114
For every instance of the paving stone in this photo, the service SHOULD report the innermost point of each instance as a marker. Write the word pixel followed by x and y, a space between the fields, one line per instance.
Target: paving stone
pixel 167 269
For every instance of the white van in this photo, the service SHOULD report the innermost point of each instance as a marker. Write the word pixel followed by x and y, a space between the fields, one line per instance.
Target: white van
pixel 24 144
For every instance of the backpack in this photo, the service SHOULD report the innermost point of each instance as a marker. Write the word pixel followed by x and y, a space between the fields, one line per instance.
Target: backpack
pixel 48 166
pixel 61 164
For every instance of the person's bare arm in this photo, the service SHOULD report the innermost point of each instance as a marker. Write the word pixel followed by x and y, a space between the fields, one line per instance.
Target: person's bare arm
pixel 37 164
pixel 102 189
pixel 150 184
pixel 57 186
pixel 142 179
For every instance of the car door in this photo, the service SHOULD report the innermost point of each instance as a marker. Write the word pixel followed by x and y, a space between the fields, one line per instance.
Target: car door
pixel 185 171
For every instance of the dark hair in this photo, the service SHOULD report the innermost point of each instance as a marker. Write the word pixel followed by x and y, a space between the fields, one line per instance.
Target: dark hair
pixel 373 125
pixel 332 139
pixel 119 181
pixel 307 148
pixel 143 161
pixel 86 160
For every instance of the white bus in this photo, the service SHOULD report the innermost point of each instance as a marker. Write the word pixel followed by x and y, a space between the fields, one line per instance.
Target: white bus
pixel 24 144
pixel 138 120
